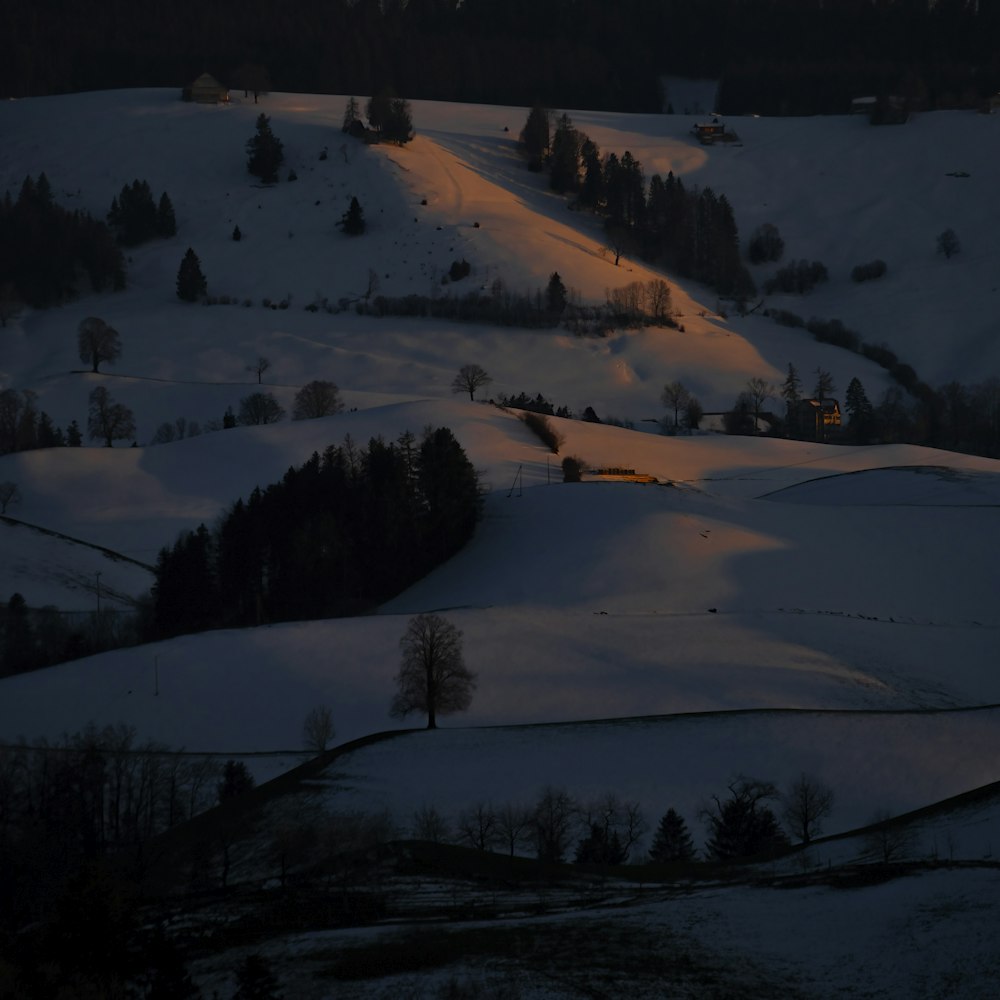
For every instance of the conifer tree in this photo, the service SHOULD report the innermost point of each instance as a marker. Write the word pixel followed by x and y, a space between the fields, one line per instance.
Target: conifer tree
pixel 166 221
pixel 191 284
pixel 352 222
pixel 535 137
pixel 564 171
pixel 790 388
pixel 860 412
pixel 672 841
pixel 352 115
pixel 592 187
pixel 555 295
pixel 265 152
pixel 397 126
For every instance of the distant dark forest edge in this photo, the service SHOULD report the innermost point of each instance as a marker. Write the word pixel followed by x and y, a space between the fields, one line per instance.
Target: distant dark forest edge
pixel 336 536
pixel 772 56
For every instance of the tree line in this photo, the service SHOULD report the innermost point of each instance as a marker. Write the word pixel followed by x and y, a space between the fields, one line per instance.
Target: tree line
pixel 752 819
pixel 342 532
pixel 691 232
pixel 45 249
pixel 773 56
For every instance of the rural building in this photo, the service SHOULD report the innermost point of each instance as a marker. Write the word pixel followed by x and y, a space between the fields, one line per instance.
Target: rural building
pixel 814 418
pixel 206 90
pixel 709 131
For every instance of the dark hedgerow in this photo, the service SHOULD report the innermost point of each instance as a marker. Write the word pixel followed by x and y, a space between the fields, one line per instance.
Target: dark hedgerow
pixel 799 277
pixel 869 272
pixel 543 430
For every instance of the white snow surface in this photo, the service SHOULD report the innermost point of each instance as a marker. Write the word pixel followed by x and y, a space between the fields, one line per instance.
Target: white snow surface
pixel 855 585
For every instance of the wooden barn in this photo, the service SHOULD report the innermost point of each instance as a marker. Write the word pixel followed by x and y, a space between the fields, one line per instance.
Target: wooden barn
pixel 206 90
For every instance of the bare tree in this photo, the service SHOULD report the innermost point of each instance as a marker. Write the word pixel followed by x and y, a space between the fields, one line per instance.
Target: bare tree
pixel 469 379
pixel 109 421
pixel 317 399
pixel 260 366
pixel 888 840
pixel 433 677
pixel 658 301
pixel 9 493
pixel 806 804
pixel 97 342
pixel 758 391
pixel 554 818
pixel 514 825
pixel 429 824
pixel 477 826
pixel 259 408
pixel 317 729
pixel 676 397
pixel 614 817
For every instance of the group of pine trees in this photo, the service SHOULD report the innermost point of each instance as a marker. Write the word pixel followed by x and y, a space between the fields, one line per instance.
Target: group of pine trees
pixel 135 218
pixel 45 250
pixel 344 531
pixel 691 232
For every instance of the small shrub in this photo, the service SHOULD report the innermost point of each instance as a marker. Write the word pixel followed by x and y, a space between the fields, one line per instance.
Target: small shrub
pixel 799 277
pixel 785 318
pixel 868 272
pixel 765 244
pixel 459 269
pixel 573 469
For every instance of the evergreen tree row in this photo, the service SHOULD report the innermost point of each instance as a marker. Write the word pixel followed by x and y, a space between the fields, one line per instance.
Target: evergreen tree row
pixel 344 531
pixel 135 217
pixel 44 249
pixel 692 233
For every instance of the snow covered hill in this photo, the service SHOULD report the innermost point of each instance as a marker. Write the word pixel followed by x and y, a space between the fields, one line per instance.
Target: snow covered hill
pixel 754 574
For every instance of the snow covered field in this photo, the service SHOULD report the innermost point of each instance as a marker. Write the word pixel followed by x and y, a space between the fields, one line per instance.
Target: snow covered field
pixel 757 574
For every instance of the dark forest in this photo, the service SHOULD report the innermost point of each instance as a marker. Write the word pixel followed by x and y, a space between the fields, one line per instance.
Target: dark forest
pixel 772 56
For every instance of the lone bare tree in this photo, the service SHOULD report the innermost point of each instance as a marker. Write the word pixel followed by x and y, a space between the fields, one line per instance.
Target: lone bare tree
pixel 260 366
pixel 433 677
pixel 806 803
pixel 469 379
pixel 107 420
pixel 97 342
pixel 9 493
pixel 758 391
pixel 317 729
pixel 676 397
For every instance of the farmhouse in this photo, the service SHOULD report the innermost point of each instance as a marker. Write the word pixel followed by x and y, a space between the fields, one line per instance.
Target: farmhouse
pixel 814 418
pixel 709 131
pixel 206 90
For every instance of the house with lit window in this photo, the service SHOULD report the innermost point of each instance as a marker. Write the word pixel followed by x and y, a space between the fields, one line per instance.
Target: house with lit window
pixel 816 419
